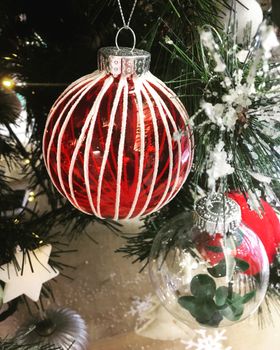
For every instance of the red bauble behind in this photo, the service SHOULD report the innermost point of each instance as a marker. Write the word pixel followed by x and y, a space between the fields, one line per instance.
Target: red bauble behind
pixel 211 248
pixel 266 227
pixel 118 146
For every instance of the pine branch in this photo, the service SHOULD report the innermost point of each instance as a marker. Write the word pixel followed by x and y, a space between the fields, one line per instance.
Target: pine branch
pixel 252 148
pixel 138 246
pixel 276 12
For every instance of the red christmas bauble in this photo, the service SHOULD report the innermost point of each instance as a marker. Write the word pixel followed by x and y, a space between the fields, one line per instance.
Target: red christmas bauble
pixel 211 248
pixel 117 142
pixel 267 226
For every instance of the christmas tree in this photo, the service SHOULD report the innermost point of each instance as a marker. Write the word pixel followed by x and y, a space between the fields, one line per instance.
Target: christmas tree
pixel 226 146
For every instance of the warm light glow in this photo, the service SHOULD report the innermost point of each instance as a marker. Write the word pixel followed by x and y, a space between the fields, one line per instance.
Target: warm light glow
pixel 36 236
pixel 31 199
pixel 8 83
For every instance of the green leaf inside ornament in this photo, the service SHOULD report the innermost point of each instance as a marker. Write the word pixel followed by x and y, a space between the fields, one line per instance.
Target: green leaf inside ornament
pixel 218 270
pixel 203 286
pixel 233 313
pixel 235 306
pixel 221 296
pixel 214 249
pixel 205 310
pixel 209 305
pixel 242 264
pixel 215 319
pixel 247 297
pixel 188 303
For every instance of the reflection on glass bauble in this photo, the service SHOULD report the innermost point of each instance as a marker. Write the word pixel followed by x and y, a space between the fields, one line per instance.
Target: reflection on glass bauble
pixel 207 279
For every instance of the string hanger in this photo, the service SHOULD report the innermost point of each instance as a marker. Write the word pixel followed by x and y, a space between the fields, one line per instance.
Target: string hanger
pixel 126 24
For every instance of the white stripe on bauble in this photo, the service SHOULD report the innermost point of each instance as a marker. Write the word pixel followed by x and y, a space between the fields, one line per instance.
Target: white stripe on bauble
pixel 77 84
pixel 76 97
pixel 108 142
pixel 156 98
pixel 91 117
pixel 163 104
pixel 69 90
pixel 121 149
pixel 184 115
pixel 156 154
pixel 138 85
pixel 62 131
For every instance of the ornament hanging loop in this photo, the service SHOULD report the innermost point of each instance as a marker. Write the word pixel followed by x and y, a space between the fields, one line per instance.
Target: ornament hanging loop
pixel 126 27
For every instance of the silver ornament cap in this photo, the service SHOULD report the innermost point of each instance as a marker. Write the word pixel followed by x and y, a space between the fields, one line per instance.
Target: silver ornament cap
pixel 123 61
pixel 217 214
pixel 60 329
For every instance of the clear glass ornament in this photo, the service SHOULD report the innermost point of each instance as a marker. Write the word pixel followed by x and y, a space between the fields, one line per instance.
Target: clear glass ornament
pixel 205 278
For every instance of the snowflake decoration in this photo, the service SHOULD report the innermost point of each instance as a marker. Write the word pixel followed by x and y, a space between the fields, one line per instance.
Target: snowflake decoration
pixel 143 309
pixel 140 307
pixel 207 341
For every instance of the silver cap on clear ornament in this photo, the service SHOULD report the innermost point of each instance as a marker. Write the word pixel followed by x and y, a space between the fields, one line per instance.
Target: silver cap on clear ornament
pixel 123 61
pixel 217 214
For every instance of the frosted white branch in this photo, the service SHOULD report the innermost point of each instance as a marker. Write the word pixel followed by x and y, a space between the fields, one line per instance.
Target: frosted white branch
pixel 218 165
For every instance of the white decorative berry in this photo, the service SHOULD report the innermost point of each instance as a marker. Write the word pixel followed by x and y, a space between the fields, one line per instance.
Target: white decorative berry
pixel 249 16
